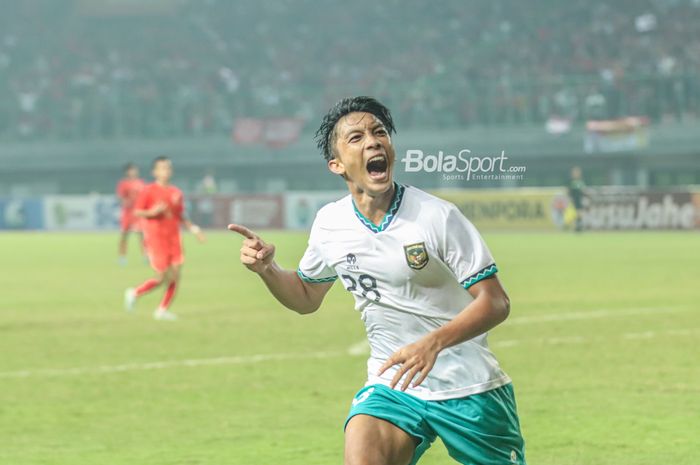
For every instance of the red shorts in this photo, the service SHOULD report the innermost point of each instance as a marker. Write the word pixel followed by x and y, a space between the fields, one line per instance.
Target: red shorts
pixel 129 221
pixel 164 255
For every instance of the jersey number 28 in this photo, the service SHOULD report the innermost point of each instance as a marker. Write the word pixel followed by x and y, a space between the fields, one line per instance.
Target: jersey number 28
pixel 366 282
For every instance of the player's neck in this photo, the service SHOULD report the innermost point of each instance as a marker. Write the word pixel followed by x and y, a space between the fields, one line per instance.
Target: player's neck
pixel 373 207
pixel 162 183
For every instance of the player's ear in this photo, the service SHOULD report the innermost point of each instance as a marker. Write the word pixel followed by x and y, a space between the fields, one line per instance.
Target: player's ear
pixel 336 166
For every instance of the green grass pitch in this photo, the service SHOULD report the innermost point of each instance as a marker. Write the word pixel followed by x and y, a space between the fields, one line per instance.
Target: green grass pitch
pixel 602 345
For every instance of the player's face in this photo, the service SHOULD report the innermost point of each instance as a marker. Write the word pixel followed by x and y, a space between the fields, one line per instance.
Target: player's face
pixel 364 153
pixel 132 173
pixel 163 170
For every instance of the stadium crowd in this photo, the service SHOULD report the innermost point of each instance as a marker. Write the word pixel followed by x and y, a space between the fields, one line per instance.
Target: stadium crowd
pixel 191 68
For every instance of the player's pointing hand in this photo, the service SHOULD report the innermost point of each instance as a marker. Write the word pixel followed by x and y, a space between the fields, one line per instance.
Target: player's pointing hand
pixel 256 254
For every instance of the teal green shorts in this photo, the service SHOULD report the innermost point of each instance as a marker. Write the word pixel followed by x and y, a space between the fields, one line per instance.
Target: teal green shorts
pixel 482 429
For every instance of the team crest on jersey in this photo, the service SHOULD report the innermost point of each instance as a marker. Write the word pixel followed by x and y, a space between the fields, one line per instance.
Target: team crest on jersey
pixel 416 255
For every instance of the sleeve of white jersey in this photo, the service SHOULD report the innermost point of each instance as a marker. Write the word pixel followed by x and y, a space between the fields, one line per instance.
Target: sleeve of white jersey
pixel 313 267
pixel 464 250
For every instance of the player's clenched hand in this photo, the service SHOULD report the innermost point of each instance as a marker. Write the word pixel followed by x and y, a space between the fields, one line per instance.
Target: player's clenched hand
pixel 197 231
pixel 415 359
pixel 256 254
pixel 158 208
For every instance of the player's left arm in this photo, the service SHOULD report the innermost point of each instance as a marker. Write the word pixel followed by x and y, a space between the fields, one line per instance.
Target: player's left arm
pixel 489 308
pixel 193 228
pixel 179 210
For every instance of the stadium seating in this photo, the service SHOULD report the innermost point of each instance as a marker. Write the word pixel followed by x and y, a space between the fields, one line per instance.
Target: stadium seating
pixel 192 68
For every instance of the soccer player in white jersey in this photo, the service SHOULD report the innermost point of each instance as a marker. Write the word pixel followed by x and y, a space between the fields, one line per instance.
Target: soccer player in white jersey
pixel 426 287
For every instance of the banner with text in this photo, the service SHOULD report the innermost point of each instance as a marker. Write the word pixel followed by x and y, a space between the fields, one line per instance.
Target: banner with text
pixel 523 209
pixel 627 209
pixel 21 214
pixel 81 212
pixel 254 211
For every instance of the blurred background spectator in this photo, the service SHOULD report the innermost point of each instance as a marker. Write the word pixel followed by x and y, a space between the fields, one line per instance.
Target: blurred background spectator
pixel 79 69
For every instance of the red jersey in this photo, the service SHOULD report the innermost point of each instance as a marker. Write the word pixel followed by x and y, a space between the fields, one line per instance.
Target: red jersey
pixel 164 228
pixel 128 191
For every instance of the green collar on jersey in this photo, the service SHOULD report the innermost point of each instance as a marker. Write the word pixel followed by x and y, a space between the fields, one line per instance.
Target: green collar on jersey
pixel 390 213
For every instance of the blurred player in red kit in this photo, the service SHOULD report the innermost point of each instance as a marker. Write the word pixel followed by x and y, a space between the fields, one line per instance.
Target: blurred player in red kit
pixel 161 207
pixel 128 190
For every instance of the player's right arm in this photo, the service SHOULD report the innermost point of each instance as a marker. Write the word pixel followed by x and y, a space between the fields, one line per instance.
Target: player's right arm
pixel 285 285
pixel 152 212
pixel 121 193
pixel 144 207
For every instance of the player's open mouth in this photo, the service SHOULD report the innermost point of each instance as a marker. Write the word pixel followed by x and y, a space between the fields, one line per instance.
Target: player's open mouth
pixel 377 168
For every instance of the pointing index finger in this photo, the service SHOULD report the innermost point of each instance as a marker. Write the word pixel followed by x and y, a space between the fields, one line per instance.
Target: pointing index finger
pixel 242 230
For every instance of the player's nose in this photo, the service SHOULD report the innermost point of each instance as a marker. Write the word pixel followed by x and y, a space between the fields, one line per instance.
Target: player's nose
pixel 372 141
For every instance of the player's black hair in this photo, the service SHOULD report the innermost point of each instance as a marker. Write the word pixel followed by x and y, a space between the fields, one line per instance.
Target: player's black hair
pixel 128 166
pixel 159 159
pixel 325 135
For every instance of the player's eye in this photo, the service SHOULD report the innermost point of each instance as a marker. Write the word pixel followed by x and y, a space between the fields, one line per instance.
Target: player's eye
pixel 355 138
pixel 380 132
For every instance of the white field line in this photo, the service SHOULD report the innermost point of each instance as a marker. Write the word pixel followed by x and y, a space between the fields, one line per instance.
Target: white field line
pixel 582 340
pixel 362 347
pixel 594 314
pixel 357 349
pixel 235 360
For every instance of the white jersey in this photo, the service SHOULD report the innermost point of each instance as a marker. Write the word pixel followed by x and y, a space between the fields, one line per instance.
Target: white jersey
pixel 408 276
